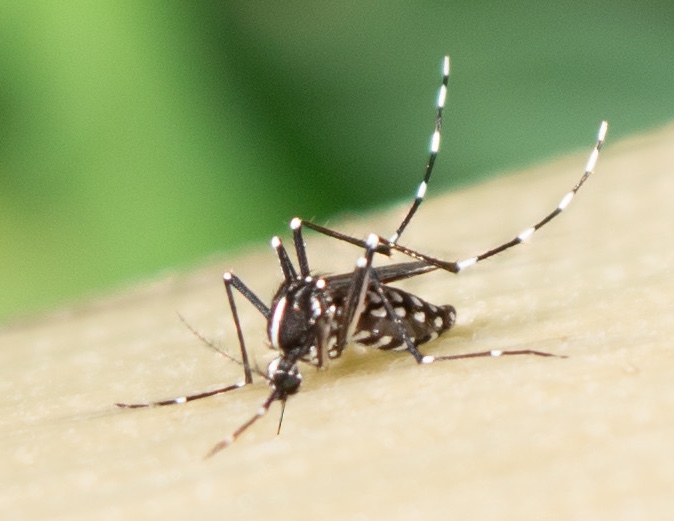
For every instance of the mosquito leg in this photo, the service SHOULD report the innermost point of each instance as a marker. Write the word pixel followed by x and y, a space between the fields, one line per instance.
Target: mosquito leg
pixel 429 359
pixel 230 281
pixel 390 312
pixel 300 249
pixel 456 266
pixel 364 278
pixel 287 267
pixel 385 246
pixel 382 247
pixel 226 442
pixel 355 299
pixel 369 279
pixel 435 146
pixel 182 399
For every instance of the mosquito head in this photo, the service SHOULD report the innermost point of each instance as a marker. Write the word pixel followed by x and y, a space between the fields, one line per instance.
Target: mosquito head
pixel 284 377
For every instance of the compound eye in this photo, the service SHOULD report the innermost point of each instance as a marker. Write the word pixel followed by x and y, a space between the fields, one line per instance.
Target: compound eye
pixel 289 383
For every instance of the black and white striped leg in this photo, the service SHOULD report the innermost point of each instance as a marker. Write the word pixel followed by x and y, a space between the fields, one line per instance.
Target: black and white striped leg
pixel 226 442
pixel 182 399
pixel 428 359
pixel 367 278
pixel 435 147
pixel 282 387
pixel 457 266
pixel 495 353
pixel 384 247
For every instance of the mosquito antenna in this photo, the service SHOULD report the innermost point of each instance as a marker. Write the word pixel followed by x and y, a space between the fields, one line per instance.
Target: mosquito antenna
pixel 209 343
pixel 226 442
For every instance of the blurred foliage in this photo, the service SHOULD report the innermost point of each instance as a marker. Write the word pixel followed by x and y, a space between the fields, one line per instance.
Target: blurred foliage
pixel 139 136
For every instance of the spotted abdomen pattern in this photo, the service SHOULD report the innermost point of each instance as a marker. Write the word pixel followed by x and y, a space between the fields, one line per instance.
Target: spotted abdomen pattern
pixel 422 320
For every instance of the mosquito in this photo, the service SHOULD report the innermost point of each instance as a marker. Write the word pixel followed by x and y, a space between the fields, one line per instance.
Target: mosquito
pixel 312 319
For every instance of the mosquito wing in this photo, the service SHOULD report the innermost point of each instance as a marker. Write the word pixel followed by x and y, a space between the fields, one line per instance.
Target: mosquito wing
pixel 385 274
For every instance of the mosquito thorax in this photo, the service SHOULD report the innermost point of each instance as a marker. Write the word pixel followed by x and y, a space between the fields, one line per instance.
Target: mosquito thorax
pixel 296 308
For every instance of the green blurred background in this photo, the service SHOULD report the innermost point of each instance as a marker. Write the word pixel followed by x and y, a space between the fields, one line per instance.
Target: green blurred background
pixel 140 136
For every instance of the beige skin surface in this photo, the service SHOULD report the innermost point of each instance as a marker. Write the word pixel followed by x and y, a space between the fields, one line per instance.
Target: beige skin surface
pixel 375 436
